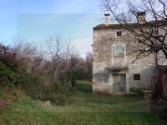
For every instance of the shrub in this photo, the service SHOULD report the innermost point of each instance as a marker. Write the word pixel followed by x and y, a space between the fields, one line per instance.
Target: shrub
pixel 57 93
pixel 9 73
pixel 9 79
pixel 7 91
pixel 12 77
pixel 8 56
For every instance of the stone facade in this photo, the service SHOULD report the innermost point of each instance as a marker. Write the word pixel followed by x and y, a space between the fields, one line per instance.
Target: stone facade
pixel 113 70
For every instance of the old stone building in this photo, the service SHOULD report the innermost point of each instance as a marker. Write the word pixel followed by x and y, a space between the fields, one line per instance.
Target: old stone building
pixel 113 70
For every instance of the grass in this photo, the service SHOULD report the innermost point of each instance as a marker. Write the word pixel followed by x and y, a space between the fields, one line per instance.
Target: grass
pixel 86 109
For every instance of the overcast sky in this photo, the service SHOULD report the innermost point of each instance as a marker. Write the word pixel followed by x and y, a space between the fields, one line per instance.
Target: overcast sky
pixel 35 20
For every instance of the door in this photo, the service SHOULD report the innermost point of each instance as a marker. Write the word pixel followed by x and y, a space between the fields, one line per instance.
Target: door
pixel 119 83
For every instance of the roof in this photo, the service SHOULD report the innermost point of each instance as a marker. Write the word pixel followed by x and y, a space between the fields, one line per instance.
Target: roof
pixel 132 25
pixel 141 13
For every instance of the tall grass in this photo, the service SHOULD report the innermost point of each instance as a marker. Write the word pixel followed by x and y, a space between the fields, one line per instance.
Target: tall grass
pixel 56 92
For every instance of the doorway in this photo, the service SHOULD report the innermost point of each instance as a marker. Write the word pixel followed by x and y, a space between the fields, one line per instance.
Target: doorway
pixel 119 83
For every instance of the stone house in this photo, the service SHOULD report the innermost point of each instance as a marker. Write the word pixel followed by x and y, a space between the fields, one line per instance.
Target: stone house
pixel 113 70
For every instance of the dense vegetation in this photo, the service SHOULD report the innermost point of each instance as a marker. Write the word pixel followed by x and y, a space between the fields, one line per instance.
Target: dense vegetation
pixel 25 70
pixel 9 73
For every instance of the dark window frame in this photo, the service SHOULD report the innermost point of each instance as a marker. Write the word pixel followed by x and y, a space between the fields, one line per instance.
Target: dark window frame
pixel 119 33
pixel 137 77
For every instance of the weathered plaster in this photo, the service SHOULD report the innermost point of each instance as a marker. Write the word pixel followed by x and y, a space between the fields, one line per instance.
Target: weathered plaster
pixel 103 40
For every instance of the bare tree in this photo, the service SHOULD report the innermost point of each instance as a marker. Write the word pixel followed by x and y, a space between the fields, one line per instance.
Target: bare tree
pixel 61 63
pixel 53 66
pixel 60 53
pixel 28 56
pixel 151 32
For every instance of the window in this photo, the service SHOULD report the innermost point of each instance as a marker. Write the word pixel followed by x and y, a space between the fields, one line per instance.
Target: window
pixel 155 31
pixel 136 76
pixel 101 78
pixel 118 50
pixel 119 33
pixel 105 78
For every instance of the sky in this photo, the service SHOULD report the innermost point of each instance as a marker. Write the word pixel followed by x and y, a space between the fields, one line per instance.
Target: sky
pixel 35 20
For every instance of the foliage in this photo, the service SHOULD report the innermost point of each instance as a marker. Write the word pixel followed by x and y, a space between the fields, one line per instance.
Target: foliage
pixel 9 72
pixel 8 56
pixel 9 75
pixel 9 80
pixel 57 93
pixel 21 75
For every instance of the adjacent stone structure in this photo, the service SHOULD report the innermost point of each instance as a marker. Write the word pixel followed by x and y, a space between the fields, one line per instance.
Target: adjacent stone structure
pixel 113 70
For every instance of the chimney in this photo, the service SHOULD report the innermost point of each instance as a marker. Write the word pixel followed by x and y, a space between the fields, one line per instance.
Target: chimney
pixel 141 17
pixel 107 19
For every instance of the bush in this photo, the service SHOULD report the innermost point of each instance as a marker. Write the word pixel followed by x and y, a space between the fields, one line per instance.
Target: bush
pixel 7 91
pixel 10 75
pixel 57 93
pixel 9 79
pixel 9 72
pixel 8 56
pixel 33 85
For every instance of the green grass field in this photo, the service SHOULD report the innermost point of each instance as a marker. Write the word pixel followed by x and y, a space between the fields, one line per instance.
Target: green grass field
pixel 86 109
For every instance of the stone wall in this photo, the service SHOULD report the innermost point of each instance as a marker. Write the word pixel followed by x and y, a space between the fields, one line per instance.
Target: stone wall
pixel 104 61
